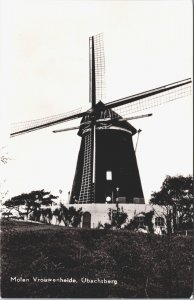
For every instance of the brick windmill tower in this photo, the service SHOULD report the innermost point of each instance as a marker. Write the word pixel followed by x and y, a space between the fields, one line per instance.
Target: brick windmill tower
pixel 107 169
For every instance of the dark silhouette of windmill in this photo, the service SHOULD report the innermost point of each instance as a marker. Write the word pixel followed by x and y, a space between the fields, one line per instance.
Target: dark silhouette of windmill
pixel 107 169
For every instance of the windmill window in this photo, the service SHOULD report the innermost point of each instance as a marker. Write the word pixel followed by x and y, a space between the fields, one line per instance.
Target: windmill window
pixel 140 221
pixel 86 220
pixel 159 221
pixel 108 175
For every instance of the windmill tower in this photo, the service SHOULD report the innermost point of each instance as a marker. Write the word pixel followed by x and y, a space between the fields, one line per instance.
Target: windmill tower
pixel 106 161
pixel 107 168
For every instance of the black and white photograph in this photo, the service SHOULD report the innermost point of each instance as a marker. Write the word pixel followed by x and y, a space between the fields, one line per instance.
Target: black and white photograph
pixel 96 148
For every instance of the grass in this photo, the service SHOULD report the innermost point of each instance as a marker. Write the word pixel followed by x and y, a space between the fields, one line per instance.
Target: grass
pixel 144 265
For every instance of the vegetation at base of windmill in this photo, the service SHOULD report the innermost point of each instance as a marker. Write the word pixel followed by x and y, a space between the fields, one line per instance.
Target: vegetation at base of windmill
pixel 99 225
pixel 148 217
pixel 7 215
pixel 36 215
pixel 25 204
pixel 7 226
pixel 117 217
pixel 70 216
pixel 176 194
pixel 176 197
pixel 107 226
pixel 47 215
pixel 58 214
pixel 147 223
pixel 15 203
pixel 137 261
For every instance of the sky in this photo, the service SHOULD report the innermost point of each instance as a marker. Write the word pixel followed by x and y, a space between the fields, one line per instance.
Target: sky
pixel 45 71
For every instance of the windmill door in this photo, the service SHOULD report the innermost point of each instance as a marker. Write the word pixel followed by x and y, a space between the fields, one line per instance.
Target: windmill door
pixel 86 220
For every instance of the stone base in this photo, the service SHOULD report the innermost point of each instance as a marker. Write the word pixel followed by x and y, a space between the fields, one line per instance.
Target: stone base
pixel 98 213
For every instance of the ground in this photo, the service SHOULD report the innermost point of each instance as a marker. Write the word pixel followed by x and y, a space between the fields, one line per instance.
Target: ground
pixel 137 264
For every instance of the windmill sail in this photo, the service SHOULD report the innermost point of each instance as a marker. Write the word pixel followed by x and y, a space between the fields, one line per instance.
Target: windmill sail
pixel 125 107
pixel 129 105
pixel 86 165
pixel 36 124
pixel 96 68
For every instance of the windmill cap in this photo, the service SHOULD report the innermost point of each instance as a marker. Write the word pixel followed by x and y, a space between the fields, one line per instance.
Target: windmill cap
pixel 103 114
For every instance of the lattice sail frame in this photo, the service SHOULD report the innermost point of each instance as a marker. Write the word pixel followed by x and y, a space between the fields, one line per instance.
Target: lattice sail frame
pixel 125 110
pixel 19 127
pixel 99 67
pixel 128 110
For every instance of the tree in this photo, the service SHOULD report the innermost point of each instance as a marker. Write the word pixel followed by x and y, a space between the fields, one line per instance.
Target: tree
pixel 47 215
pixel 77 214
pixel 28 203
pixel 117 216
pixel 15 203
pixel 148 220
pixel 70 216
pixel 176 194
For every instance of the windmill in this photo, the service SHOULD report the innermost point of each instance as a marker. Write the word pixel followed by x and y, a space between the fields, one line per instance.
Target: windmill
pixel 107 169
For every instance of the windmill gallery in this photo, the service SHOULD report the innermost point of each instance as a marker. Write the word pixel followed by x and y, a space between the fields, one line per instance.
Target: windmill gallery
pixel 107 172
